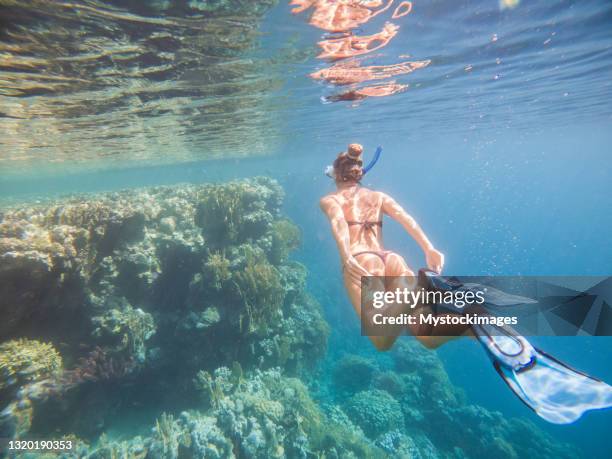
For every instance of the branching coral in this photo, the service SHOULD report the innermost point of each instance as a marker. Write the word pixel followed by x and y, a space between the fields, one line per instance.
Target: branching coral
pixel 259 286
pixel 217 270
pixel 210 388
pixel 27 368
pixel 285 237
pixel 219 213
pixel 293 276
pixel 235 212
pixel 25 361
pixel 298 340
pixel 167 434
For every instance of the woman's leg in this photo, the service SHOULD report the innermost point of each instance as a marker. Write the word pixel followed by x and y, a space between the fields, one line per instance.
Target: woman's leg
pixel 401 276
pixel 374 265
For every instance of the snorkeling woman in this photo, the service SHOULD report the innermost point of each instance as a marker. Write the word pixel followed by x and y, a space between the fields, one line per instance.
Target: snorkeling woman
pixel 356 213
pixel 552 389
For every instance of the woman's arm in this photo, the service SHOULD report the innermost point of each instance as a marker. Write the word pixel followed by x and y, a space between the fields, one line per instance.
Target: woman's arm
pixel 435 259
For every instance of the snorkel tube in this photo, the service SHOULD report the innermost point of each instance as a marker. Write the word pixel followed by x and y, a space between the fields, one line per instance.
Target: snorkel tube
pixel 329 170
pixel 372 163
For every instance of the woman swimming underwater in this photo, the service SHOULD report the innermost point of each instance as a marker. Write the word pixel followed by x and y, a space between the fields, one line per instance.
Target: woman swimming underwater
pixel 552 389
pixel 356 215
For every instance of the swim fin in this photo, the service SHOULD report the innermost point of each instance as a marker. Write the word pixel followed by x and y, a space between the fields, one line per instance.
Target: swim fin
pixel 552 389
pixel 555 391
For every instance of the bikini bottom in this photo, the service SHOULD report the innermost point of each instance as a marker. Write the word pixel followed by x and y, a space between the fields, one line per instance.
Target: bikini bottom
pixel 382 254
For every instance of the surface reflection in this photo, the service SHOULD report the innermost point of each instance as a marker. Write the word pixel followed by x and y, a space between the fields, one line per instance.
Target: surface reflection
pixel 354 45
pixel 351 71
pixel 342 17
pixel 85 80
pixel 375 90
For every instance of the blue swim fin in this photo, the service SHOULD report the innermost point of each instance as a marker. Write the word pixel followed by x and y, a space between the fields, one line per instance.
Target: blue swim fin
pixel 552 389
pixel 555 391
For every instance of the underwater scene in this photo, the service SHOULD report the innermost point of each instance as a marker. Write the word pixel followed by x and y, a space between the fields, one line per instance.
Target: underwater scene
pixel 191 192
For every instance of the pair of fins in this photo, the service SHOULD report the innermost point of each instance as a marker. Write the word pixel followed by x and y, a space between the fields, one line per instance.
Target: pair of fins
pixel 552 389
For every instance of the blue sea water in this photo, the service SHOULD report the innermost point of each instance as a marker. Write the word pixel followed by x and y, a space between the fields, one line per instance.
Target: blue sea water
pixel 505 165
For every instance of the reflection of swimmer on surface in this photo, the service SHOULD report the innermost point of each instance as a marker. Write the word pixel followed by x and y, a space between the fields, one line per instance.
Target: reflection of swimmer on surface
pixel 552 389
pixel 353 45
pixel 340 15
pixel 379 90
pixel 351 72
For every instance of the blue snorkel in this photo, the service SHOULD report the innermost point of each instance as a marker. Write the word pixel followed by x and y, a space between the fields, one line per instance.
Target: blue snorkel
pixel 329 170
pixel 372 163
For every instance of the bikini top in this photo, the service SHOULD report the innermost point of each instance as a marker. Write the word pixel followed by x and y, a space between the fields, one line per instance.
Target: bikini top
pixel 367 225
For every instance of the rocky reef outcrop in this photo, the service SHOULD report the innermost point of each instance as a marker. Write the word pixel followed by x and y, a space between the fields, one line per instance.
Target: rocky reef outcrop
pixel 149 288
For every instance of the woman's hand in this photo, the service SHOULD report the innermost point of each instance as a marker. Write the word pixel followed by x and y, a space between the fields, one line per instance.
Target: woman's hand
pixel 354 268
pixel 435 260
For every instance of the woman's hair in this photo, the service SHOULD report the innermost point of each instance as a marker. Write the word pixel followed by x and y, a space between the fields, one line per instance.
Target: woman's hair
pixel 345 161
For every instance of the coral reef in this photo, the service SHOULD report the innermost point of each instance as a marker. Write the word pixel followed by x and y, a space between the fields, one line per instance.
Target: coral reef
pixel 354 373
pixel 286 237
pixel 265 415
pixel 130 283
pixel 398 444
pixel 126 330
pixel 25 361
pixel 391 382
pixel 375 411
pixel 416 391
pixel 235 212
pixel 27 367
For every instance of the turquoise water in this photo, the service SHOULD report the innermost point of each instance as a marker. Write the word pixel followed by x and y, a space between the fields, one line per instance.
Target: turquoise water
pixel 505 165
